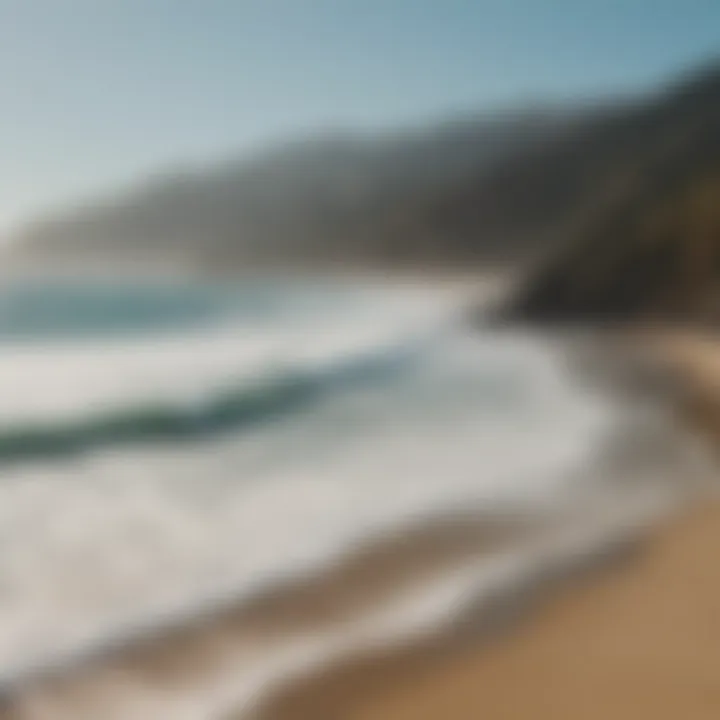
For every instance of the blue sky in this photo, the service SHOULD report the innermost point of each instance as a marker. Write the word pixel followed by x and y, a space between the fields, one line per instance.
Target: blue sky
pixel 95 93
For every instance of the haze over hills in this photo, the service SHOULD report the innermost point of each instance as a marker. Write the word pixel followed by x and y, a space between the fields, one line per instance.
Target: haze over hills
pixel 504 188
pixel 338 197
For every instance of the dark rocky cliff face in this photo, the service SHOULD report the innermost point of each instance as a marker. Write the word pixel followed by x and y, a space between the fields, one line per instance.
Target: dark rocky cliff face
pixel 651 249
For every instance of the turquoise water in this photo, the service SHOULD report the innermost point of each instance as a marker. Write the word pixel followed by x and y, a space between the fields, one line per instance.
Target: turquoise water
pixel 43 311
pixel 166 326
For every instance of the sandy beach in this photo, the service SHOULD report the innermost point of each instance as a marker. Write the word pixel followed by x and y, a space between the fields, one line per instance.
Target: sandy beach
pixel 351 629
pixel 638 639
pixel 592 623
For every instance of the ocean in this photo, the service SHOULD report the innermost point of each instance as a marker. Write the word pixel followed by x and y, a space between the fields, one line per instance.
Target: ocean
pixel 164 444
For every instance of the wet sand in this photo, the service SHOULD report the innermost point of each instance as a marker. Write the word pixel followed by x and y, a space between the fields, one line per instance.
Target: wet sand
pixel 640 640
pixel 173 670
pixel 225 663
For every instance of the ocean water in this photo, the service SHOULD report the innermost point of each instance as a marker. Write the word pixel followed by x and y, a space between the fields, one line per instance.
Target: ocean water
pixel 161 444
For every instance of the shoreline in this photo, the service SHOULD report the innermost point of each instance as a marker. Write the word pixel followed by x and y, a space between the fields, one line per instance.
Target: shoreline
pixel 364 603
pixel 213 648
pixel 185 647
pixel 458 678
pixel 603 646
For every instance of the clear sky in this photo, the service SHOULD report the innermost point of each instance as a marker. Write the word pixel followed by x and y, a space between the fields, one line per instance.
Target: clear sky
pixel 94 93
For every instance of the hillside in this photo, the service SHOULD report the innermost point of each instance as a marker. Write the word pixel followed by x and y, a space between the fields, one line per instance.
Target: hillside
pixel 338 197
pixel 605 202
pixel 651 248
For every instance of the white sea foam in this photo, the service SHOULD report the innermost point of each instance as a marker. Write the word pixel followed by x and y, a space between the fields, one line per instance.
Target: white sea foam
pixel 99 544
pixel 70 380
